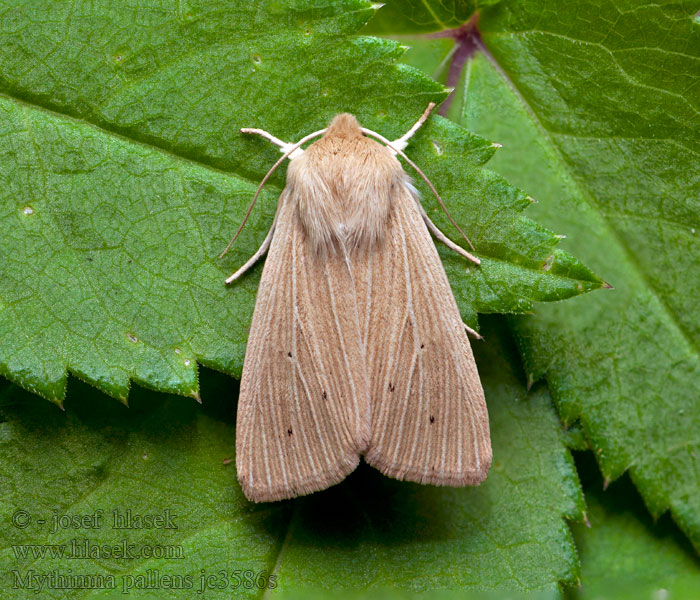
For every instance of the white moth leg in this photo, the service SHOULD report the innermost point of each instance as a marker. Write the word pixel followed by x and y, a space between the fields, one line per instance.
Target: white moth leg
pixel 444 239
pixel 284 146
pixel 402 142
pixel 289 151
pixel 264 247
pixel 471 332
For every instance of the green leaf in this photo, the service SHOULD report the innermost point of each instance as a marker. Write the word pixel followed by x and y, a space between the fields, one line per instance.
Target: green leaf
pixel 163 453
pixel 370 532
pixel 124 175
pixel 413 16
pixel 597 107
pixel 624 555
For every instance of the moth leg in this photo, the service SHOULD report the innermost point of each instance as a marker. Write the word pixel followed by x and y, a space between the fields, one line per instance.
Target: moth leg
pixel 284 146
pixel 444 239
pixel 472 332
pixel 402 142
pixel 253 259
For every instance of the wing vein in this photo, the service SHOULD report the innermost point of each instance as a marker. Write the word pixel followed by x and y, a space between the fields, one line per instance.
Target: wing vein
pixel 311 403
pixel 341 338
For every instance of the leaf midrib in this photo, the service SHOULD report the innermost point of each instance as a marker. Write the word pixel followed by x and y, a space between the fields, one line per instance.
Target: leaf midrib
pixel 125 138
pixel 590 200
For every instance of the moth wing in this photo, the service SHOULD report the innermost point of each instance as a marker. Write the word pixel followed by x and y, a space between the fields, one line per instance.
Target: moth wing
pixel 429 420
pixel 303 409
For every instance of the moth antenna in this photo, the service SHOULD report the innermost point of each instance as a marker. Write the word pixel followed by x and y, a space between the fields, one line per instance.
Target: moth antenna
pixel 381 138
pixel 287 153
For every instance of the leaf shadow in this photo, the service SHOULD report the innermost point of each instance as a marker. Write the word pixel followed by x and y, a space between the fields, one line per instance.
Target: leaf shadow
pixel 370 506
pixel 622 497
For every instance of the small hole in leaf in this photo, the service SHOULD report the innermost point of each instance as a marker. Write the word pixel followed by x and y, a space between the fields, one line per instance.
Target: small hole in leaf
pixel 178 351
pixel 28 210
pixel 438 147
pixel 132 337
pixel 257 59
pixel 188 362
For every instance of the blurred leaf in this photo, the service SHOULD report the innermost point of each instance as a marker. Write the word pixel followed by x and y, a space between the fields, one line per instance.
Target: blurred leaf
pixel 414 16
pixel 624 554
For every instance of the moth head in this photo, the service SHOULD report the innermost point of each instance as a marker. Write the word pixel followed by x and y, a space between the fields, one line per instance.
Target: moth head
pixel 344 126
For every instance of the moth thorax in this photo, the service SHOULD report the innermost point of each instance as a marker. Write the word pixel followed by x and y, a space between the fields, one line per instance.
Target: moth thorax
pixel 343 201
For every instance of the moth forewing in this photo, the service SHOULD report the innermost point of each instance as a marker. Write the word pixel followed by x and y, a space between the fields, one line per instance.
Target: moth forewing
pixel 303 412
pixel 429 417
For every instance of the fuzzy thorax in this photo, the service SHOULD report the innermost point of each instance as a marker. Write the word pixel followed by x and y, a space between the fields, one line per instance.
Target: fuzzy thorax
pixel 343 187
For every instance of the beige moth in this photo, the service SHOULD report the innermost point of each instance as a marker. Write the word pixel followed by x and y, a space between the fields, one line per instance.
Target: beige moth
pixel 356 346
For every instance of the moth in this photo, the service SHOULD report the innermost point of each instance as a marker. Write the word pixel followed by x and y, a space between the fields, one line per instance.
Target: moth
pixel 356 346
